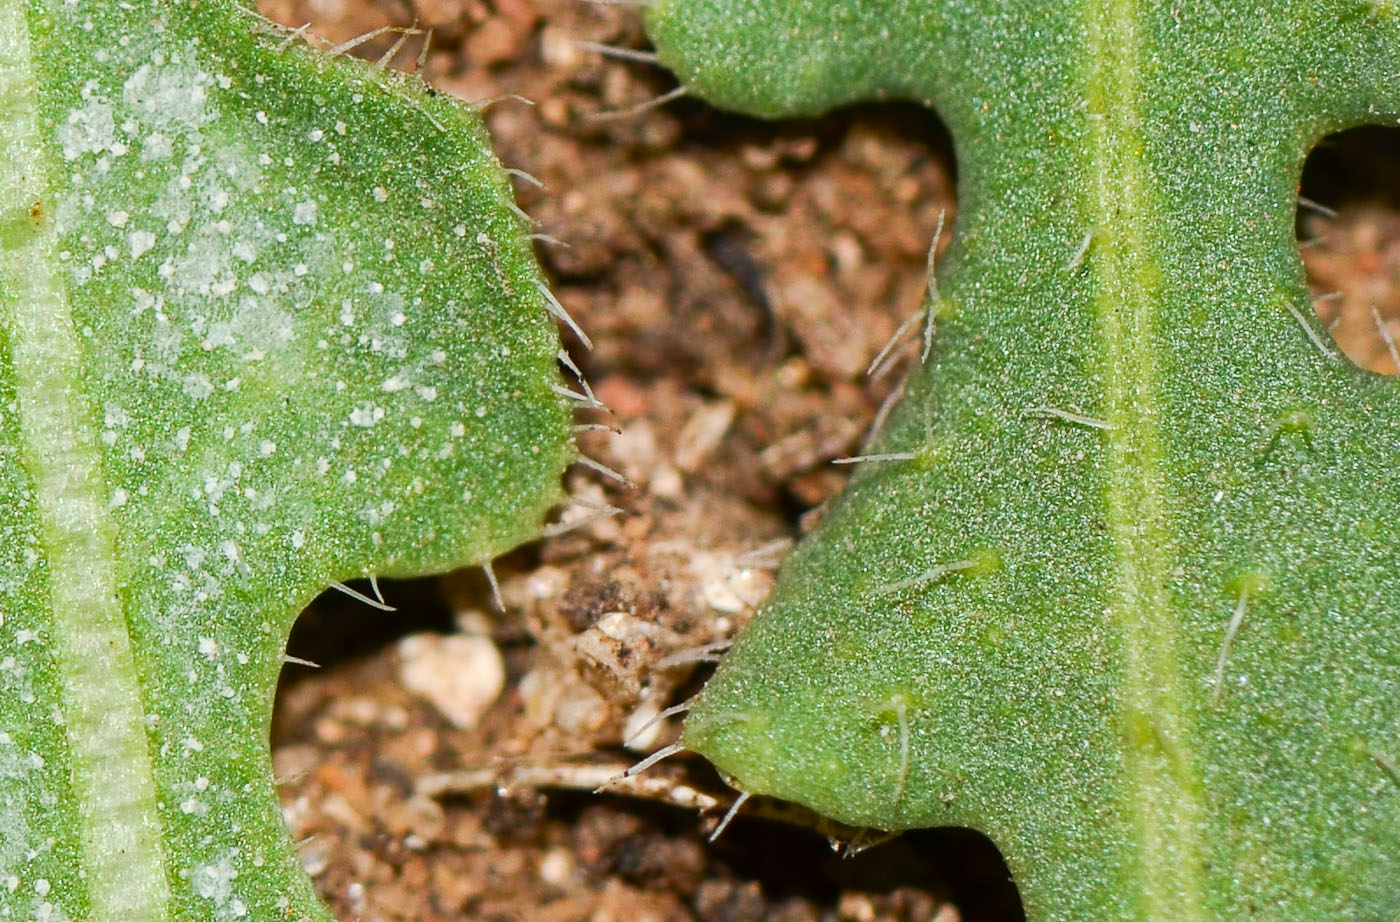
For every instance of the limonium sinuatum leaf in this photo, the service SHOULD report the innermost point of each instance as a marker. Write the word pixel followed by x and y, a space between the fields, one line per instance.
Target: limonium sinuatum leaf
pixel 267 320
pixel 1125 592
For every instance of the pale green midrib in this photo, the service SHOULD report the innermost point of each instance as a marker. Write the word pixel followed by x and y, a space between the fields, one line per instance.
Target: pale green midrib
pixel 112 773
pixel 1161 793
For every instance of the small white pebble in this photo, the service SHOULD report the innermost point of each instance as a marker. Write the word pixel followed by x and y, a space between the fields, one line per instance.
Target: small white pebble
pixel 459 674
pixel 557 869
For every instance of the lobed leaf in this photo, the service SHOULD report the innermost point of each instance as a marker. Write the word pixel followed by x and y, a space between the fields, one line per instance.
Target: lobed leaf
pixel 1126 597
pixel 267 320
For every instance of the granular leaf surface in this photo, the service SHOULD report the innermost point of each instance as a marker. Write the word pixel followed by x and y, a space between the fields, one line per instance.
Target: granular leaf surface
pixel 1122 592
pixel 267 320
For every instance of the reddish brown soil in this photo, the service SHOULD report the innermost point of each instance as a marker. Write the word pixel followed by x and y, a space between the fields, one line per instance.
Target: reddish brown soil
pixel 737 278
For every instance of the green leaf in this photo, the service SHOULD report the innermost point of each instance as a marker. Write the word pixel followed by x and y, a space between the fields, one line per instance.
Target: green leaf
pixel 270 320
pixel 1126 598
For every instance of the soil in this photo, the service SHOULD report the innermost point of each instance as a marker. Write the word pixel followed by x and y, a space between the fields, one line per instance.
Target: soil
pixel 737 277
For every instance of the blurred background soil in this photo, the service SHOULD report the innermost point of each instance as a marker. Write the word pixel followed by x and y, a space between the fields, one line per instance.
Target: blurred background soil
pixel 737 278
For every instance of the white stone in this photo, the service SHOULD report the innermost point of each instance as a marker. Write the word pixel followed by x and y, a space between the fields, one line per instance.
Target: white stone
pixel 459 674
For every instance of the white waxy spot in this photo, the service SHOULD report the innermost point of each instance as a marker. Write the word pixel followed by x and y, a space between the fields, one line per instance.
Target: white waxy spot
pixel 89 130
pixel 381 194
pixel 114 416
pixel 119 498
pixel 457 430
pixel 194 556
pixel 140 243
pixel 209 647
pixel 267 447
pixel 118 218
pixel 220 334
pixel 298 540
pixel 427 392
pixel 304 213
pixel 366 416
pixel 197 386
pixel 169 94
pixel 376 515
pixel 156 146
